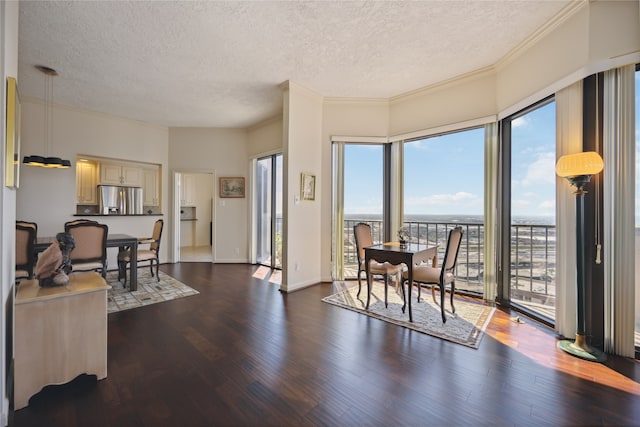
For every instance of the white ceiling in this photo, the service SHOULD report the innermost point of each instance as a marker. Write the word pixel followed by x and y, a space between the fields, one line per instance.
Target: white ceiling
pixel 220 64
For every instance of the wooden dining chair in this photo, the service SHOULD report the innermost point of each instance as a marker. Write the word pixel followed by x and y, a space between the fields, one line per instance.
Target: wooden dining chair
pixel 90 252
pixel 440 276
pixel 26 235
pixel 362 234
pixel 150 255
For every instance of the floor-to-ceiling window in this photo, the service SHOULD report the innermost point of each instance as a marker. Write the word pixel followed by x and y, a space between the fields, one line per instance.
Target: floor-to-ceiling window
pixel 532 145
pixel 269 211
pixel 364 196
pixel 444 187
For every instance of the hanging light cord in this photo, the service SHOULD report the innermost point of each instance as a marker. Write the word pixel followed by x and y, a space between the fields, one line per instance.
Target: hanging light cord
pixel 46 116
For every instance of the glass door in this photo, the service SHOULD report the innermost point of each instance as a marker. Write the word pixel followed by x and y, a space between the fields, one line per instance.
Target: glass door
pixel 269 211
pixel 532 263
pixel 364 197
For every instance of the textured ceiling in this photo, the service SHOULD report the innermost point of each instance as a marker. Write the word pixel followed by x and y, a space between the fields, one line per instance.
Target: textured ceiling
pixel 220 64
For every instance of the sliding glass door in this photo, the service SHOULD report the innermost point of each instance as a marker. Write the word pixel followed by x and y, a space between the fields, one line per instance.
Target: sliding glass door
pixel 532 240
pixel 364 197
pixel 269 211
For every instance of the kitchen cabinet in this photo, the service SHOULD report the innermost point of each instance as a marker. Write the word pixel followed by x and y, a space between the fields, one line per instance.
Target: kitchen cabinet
pixel 86 182
pixel 188 190
pixel 119 174
pixel 151 187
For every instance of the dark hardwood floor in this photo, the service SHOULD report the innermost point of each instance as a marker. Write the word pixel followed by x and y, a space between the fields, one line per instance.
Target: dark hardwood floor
pixel 243 354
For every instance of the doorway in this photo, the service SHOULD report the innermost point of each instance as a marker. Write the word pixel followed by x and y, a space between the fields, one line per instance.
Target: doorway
pixel 193 205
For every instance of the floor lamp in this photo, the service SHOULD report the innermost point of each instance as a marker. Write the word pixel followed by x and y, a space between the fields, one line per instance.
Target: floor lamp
pixel 578 169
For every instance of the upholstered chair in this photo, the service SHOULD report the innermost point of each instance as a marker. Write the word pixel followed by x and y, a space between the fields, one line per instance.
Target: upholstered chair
pixel 362 234
pixel 440 276
pixel 90 253
pixel 149 255
pixel 26 234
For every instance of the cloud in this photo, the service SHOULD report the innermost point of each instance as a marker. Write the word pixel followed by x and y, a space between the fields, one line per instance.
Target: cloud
pixel 541 170
pixel 520 121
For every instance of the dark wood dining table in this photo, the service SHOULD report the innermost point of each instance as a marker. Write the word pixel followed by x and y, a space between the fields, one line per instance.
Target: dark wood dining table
pixel 114 240
pixel 410 255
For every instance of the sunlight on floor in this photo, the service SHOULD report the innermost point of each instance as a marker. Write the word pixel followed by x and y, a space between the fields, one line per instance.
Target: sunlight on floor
pixel 541 347
pixel 275 276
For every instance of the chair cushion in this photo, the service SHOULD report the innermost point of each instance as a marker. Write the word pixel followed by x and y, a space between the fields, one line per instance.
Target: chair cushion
pixel 22 274
pixel 86 266
pixel 143 255
pixel 384 268
pixel 425 274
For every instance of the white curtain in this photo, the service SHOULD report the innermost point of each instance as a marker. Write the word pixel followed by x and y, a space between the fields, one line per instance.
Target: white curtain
pixel 396 196
pixel 568 141
pixel 619 201
pixel 337 208
pixel 491 170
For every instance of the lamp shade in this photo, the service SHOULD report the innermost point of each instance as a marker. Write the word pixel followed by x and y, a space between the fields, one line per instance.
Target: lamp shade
pixel 587 163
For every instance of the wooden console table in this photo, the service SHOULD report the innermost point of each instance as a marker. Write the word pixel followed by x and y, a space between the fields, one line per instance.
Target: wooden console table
pixel 60 333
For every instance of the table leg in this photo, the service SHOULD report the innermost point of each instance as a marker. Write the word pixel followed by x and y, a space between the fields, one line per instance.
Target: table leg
pixel 410 287
pixel 133 277
pixel 366 266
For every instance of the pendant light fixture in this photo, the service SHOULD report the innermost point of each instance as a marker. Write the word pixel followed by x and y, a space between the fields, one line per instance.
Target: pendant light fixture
pixel 46 161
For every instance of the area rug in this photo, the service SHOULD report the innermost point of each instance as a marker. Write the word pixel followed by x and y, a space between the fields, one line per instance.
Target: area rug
pixel 466 326
pixel 149 291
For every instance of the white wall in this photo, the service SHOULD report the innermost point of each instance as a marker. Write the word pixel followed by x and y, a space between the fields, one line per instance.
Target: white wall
pixel 469 98
pixel 47 196
pixel 9 67
pixel 302 226
pixel 223 151
pixel 265 138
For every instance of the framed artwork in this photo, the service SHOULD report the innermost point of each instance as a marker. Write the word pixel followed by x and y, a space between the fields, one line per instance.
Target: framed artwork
pixel 12 148
pixel 307 186
pixel 231 187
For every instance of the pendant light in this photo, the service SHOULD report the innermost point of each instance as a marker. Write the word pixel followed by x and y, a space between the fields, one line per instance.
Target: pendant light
pixel 46 161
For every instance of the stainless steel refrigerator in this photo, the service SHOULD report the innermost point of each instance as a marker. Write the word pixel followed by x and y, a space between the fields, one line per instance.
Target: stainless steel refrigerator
pixel 115 200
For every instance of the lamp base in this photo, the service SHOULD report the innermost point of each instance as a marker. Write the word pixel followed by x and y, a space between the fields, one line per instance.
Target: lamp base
pixel 581 349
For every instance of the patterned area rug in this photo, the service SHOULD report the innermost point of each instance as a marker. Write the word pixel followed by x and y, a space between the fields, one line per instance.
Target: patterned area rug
pixel 466 326
pixel 149 291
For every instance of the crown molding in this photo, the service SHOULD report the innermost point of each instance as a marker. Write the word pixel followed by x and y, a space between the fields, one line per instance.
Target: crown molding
pixel 556 21
pixel 354 101
pixel 477 74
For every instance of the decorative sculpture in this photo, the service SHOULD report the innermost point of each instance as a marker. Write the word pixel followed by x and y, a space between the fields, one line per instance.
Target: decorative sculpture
pixel 53 266
pixel 403 236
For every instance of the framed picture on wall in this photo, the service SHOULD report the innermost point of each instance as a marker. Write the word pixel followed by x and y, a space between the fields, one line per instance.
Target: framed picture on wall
pixel 12 148
pixel 307 186
pixel 231 187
